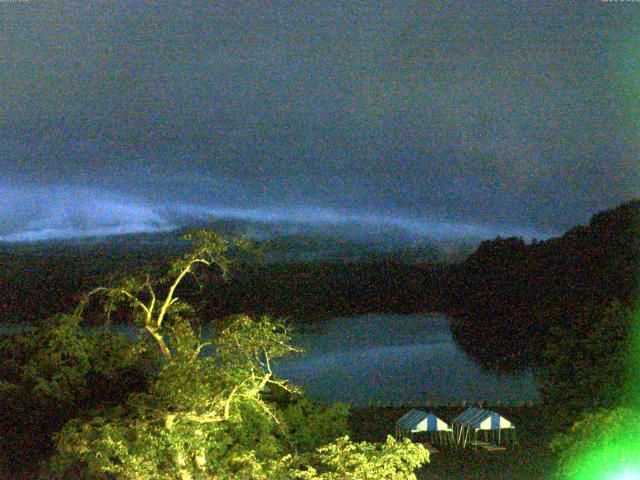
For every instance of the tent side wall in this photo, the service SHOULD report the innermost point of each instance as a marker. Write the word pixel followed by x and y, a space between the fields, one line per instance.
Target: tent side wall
pixel 421 422
pixel 494 428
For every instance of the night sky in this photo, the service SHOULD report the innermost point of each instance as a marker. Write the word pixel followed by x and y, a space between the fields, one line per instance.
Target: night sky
pixel 489 115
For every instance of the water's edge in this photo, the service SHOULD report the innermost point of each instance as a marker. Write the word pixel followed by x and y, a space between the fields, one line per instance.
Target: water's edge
pixel 383 359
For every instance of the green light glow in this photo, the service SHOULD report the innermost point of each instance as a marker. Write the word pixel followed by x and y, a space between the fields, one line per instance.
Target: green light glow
pixel 606 444
pixel 627 474
pixel 612 458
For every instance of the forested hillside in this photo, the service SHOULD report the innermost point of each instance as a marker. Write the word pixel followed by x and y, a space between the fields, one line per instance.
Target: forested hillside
pixel 508 297
pixel 39 280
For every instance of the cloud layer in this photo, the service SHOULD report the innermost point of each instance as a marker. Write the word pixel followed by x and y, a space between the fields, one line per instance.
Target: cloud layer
pixel 62 212
pixel 483 112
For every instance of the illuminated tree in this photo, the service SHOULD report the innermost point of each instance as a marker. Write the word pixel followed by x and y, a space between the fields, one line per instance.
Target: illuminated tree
pixel 151 309
pixel 210 410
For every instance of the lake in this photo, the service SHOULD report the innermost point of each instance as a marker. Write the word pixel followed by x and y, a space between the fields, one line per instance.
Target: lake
pixel 390 359
pixel 399 359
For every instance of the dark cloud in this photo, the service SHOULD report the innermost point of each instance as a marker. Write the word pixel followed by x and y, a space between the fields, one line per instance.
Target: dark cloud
pixel 499 112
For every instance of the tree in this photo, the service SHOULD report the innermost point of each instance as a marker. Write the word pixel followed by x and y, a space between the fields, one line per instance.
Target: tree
pixel 209 411
pixel 203 413
pixel 222 425
pixel 310 425
pixel 587 363
pixel 54 372
pixel 342 459
pixel 140 293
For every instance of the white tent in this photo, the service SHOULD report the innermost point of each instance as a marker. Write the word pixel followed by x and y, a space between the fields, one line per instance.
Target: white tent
pixel 480 427
pixel 419 421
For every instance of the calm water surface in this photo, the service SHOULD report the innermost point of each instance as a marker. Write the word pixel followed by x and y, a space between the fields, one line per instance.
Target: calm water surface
pixel 394 359
pixel 391 359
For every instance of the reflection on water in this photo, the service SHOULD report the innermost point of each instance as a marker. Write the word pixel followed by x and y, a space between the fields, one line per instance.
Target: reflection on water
pixel 394 359
pixel 400 359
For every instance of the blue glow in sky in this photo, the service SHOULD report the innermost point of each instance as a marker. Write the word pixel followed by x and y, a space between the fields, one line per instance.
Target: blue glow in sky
pixel 63 212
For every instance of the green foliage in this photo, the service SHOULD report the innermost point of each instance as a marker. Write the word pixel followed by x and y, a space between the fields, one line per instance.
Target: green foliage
pixel 597 374
pixel 51 374
pixel 508 296
pixel 149 447
pixel 148 301
pixel 602 444
pixel 56 361
pixel 206 416
pixel 393 460
pixel 53 361
pixel 205 247
pixel 201 416
pixel 587 363
pixel 310 425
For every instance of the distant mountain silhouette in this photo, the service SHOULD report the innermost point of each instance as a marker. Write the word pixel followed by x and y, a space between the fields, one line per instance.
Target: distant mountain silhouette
pixel 302 276
pixel 507 295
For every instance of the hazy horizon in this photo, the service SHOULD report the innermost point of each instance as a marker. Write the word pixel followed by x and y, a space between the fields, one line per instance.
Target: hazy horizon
pixel 37 213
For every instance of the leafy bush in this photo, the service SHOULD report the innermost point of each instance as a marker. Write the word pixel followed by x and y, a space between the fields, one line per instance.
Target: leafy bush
pixel 310 425
pixel 343 459
pixel 53 373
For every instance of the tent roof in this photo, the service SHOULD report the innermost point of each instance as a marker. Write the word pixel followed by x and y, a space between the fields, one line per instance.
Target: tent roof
pixel 421 421
pixel 481 419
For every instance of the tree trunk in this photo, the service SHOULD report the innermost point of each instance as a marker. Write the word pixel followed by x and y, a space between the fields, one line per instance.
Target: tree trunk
pixel 164 350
